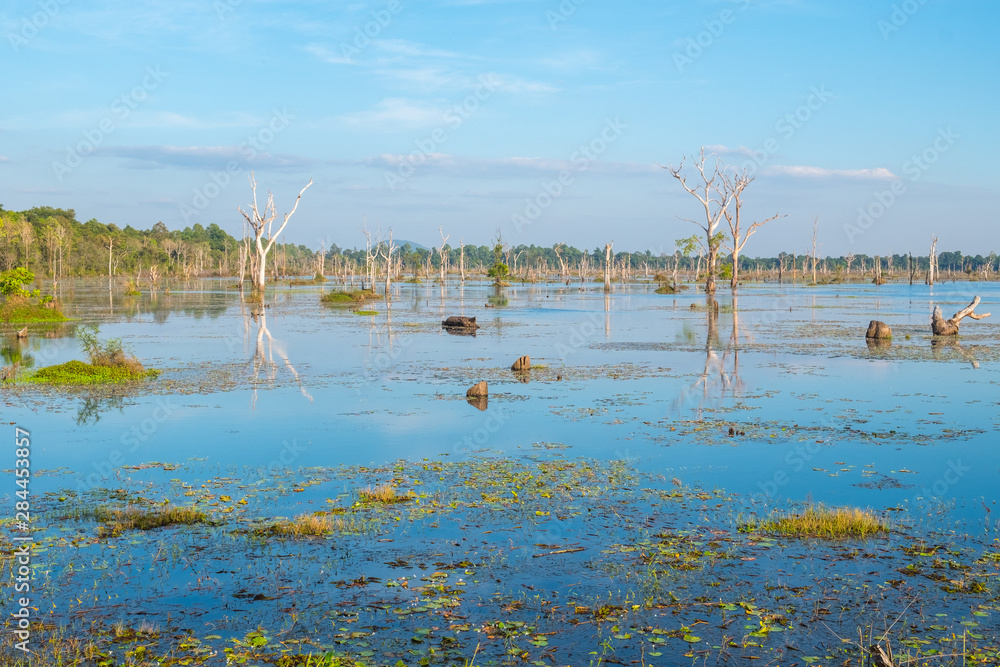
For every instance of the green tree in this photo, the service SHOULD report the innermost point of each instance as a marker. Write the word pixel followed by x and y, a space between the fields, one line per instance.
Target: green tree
pixel 12 282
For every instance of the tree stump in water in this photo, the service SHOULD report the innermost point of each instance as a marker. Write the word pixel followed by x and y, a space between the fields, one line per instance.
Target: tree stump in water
pixel 522 364
pixel 943 327
pixel 878 330
pixel 477 390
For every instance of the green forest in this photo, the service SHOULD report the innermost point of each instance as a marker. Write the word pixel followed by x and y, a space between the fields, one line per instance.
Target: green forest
pixel 52 243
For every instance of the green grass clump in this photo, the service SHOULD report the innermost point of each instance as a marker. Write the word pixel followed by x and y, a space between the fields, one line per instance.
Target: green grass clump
pixel 109 363
pixel 23 310
pixel 117 521
pixel 366 312
pixel 348 298
pixel 82 373
pixel 820 521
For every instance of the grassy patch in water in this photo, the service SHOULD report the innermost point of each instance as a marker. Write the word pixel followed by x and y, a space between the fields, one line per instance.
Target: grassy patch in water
pixel 386 494
pixel 81 373
pixel 116 521
pixel 366 312
pixel 23 310
pixel 310 525
pixel 820 521
pixel 350 298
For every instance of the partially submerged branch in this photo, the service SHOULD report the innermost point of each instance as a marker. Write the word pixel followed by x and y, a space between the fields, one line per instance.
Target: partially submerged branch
pixel 943 327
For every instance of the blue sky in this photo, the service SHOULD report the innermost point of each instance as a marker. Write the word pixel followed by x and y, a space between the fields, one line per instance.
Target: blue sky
pixel 545 118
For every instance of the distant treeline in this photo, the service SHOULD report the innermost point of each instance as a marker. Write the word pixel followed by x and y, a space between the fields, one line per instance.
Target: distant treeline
pixel 53 243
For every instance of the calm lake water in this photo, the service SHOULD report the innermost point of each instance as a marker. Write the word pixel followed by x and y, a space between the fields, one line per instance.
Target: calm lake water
pixel 653 379
pixel 647 425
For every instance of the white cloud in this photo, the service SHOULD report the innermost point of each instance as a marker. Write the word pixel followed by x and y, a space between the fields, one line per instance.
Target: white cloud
pixel 197 157
pixel 508 167
pixel 720 150
pixel 394 114
pixel 802 171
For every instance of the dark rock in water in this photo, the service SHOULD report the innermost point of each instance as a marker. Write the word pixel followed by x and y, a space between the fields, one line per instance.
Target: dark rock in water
pixel 522 364
pixel 477 390
pixel 479 402
pixel 459 322
pixel 878 330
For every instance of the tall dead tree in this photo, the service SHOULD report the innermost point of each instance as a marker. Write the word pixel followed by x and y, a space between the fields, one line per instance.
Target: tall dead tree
pixel 932 261
pixel 714 199
pixel 733 187
pixel 607 265
pixel 461 258
pixel 260 223
pixel 557 249
pixel 385 250
pixel 441 255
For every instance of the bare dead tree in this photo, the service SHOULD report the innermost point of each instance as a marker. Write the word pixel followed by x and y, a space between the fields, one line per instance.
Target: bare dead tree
pixel 715 200
pixel 260 222
pixel 26 233
pixel 386 250
pixel 607 265
pixel 557 249
pixel 932 261
pixel 441 256
pixel 733 188
pixel 943 327
pixel 461 258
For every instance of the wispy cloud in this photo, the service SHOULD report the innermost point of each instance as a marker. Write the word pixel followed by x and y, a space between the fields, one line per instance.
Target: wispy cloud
pixel 394 114
pixel 199 157
pixel 4 158
pixel 724 151
pixel 802 171
pixel 509 167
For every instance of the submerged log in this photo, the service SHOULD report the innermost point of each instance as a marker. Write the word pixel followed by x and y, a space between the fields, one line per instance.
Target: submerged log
pixel 460 322
pixel 943 327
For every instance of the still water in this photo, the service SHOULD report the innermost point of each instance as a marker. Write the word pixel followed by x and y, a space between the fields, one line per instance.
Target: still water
pixel 775 398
